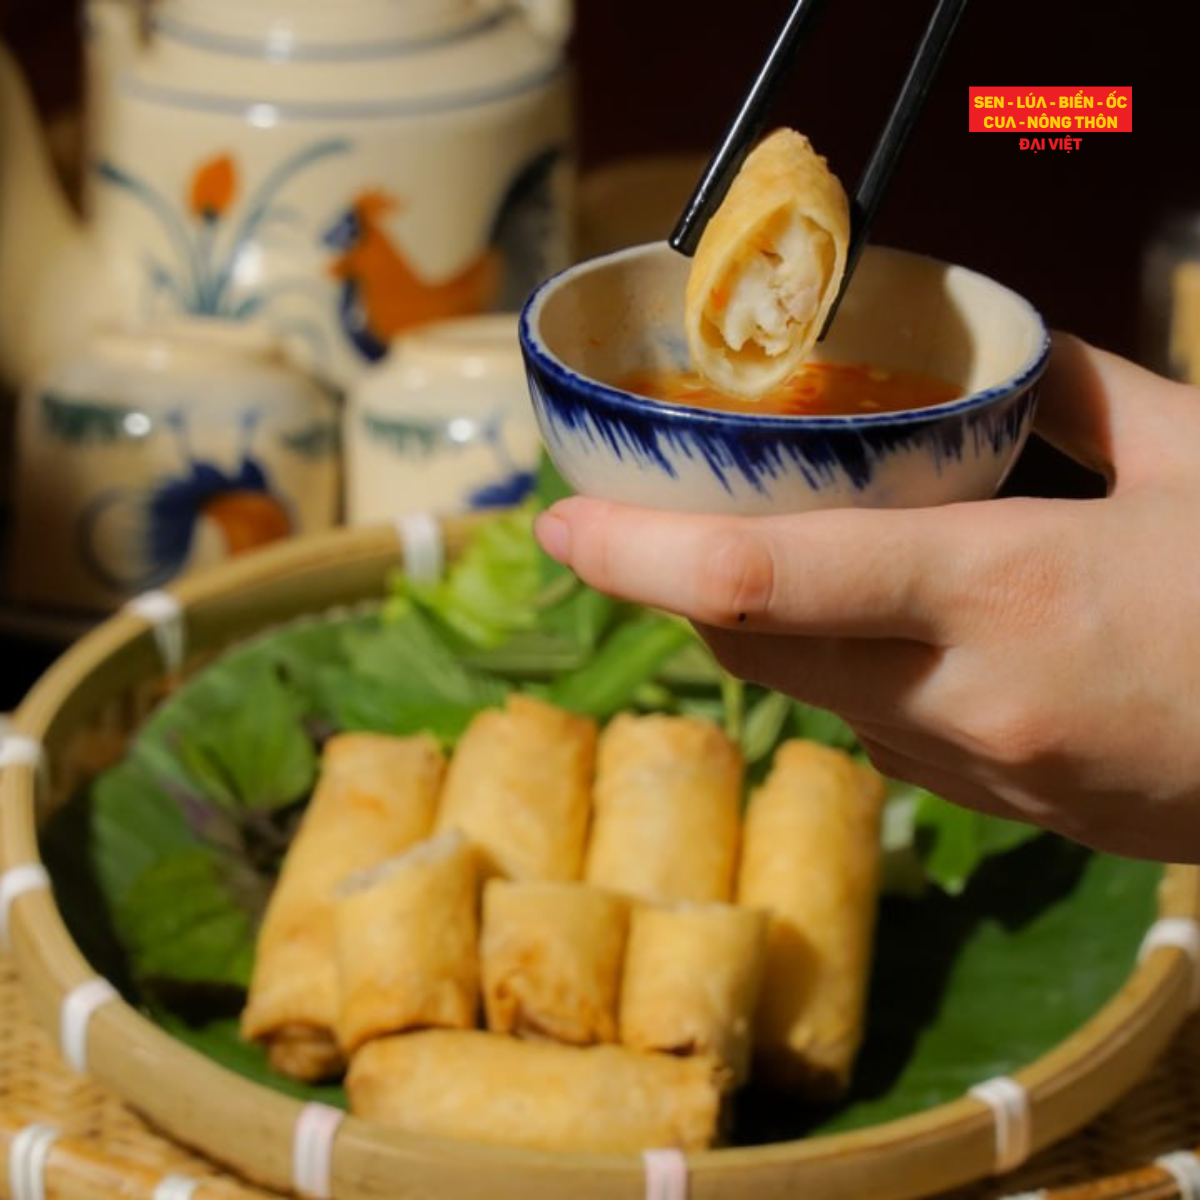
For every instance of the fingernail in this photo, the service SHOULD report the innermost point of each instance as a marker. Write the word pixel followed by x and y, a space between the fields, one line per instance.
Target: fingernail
pixel 554 536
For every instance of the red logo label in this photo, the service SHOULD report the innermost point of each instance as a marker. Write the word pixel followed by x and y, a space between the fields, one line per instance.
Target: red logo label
pixel 1051 111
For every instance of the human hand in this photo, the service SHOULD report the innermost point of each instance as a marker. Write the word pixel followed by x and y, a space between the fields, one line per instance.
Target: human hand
pixel 1034 658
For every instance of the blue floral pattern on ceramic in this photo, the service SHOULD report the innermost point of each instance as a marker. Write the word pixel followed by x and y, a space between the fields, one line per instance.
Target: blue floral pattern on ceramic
pixel 217 229
pixel 758 458
pixel 426 439
pixel 134 538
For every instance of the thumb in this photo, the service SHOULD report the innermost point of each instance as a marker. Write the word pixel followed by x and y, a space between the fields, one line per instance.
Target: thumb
pixel 1109 414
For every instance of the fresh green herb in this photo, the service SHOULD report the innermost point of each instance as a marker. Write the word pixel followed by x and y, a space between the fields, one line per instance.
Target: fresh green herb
pixel 952 842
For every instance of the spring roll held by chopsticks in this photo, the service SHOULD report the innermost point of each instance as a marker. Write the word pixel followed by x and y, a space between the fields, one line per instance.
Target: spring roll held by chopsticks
pixel 375 797
pixel 407 954
pixel 768 267
pixel 666 804
pixel 519 787
pixel 691 981
pixel 484 1087
pixel 811 858
pixel 551 956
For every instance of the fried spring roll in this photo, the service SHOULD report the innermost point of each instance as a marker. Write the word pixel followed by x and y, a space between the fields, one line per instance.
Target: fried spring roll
pixel 374 798
pixel 483 1087
pixel 767 268
pixel 551 956
pixel 811 858
pixel 692 979
pixel 519 787
pixel 665 809
pixel 407 943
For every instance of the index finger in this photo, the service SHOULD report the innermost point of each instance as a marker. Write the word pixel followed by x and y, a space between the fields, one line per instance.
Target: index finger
pixel 844 572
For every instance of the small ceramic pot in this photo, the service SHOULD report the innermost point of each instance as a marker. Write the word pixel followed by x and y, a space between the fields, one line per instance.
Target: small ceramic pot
pixel 443 425
pixel 146 456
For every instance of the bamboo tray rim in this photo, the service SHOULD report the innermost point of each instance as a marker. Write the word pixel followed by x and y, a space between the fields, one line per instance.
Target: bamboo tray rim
pixel 950 1144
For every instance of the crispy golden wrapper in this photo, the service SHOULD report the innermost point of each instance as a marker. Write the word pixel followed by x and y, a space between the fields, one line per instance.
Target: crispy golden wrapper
pixel 375 797
pixel 551 956
pixel 486 1087
pixel 692 978
pixel 811 858
pixel 407 943
pixel 768 267
pixel 666 809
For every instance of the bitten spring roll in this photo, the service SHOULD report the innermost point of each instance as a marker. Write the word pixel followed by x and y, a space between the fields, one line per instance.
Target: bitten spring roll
pixel 407 954
pixel 551 956
pixel 768 267
pixel 375 797
pixel 519 787
pixel 691 982
pixel 483 1087
pixel 665 809
pixel 811 858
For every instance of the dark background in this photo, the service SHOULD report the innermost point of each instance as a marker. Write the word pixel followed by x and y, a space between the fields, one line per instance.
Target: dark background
pixel 1067 230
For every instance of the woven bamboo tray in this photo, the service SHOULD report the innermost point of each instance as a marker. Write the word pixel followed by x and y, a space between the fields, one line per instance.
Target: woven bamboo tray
pixel 78 718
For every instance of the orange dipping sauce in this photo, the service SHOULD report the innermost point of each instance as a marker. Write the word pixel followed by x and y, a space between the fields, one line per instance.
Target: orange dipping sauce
pixel 817 389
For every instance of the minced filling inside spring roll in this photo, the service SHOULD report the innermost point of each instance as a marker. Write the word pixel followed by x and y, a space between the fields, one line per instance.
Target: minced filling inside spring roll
pixel 407 952
pixel 811 858
pixel 519 787
pixel 551 956
pixel 768 267
pixel 485 1087
pixel 375 796
pixel 666 809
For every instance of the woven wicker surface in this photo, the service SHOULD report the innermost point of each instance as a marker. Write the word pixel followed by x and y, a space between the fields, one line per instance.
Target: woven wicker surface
pixel 105 1150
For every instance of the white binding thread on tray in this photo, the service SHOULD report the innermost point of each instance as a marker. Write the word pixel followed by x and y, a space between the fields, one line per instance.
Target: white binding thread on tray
pixel 1183 1167
pixel 16 881
pixel 312 1150
pixel 164 614
pixel 1009 1103
pixel 1184 934
pixel 666 1174
pixel 78 1007
pixel 423 549
pixel 27 1157
pixel 16 750
pixel 176 1187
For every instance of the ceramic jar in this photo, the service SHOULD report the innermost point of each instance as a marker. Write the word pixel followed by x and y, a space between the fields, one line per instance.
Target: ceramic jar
pixel 338 173
pixel 147 456
pixel 443 426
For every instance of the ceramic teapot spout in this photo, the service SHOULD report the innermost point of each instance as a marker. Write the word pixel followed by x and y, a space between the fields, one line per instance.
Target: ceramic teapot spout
pixel 48 268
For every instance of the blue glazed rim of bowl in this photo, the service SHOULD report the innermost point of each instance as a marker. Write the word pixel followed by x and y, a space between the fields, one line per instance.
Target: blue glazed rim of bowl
pixel 633 405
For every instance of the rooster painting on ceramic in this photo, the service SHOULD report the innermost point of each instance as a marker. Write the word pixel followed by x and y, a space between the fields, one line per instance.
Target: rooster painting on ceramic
pixel 143 458
pixel 382 294
pixel 134 538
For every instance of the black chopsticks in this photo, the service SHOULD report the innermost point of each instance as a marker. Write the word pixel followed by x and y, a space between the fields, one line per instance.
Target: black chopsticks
pixel 742 133
pixel 748 124
pixel 878 172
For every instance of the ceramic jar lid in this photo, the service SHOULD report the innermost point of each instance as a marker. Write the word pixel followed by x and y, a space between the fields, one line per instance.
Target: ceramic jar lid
pixel 400 52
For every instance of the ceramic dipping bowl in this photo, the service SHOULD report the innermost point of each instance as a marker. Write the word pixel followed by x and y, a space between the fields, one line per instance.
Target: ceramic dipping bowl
pixel 597 322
